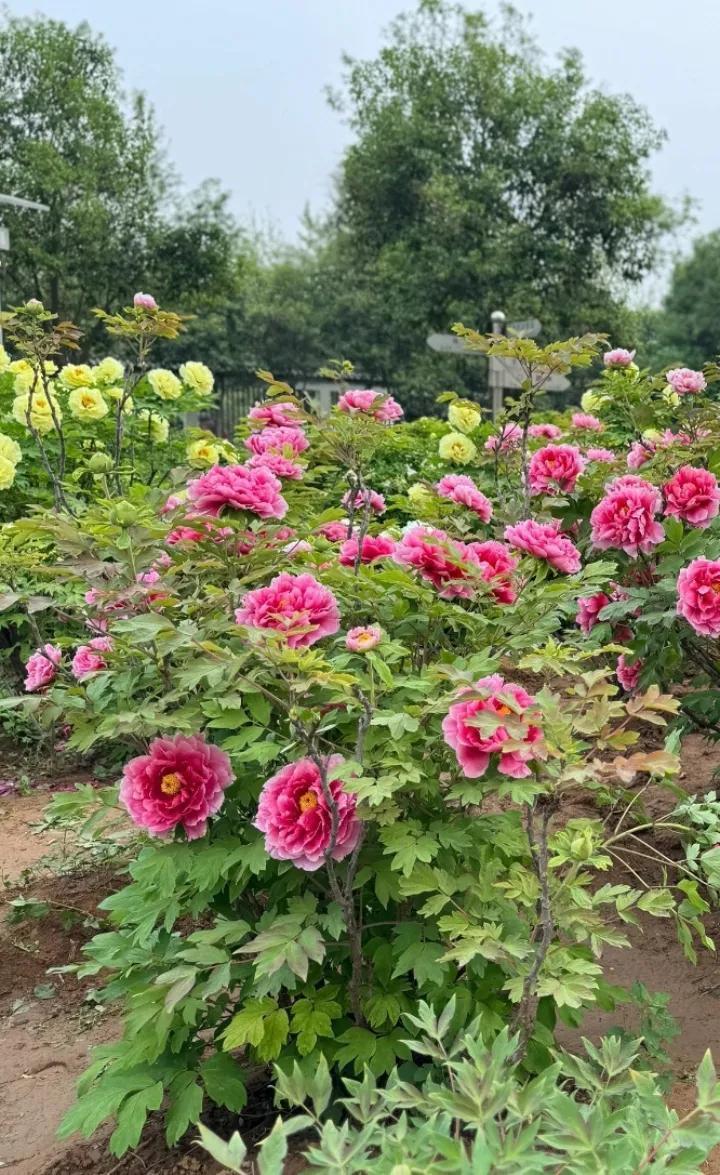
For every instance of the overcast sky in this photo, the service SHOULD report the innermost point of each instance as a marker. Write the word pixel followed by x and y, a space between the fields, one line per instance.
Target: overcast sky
pixel 239 84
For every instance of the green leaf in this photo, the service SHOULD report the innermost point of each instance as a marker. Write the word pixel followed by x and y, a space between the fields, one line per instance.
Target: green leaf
pixel 248 1025
pixel 359 1048
pixel 230 1154
pixel 273 1151
pixel 276 1029
pixel 707 1083
pixel 222 1077
pixel 186 1102
pixel 132 1116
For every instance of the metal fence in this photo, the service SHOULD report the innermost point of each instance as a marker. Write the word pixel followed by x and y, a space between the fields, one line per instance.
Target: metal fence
pixel 237 391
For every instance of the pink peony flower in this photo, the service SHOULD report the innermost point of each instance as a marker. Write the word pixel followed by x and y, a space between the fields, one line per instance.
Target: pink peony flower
pixel 181 780
pixel 334 532
pixel 144 302
pixel 149 577
pixel 516 741
pixel 446 563
pixel 640 452
pixel 278 414
pixel 670 438
pixel 298 606
pixel 685 382
pixel 171 504
pixel 618 358
pixel 281 441
pixel 543 540
pixel 625 517
pixel 506 440
pixel 297 547
pixel 297 820
pixel 41 667
pixel 358 499
pixel 587 421
pixel 693 495
pixel 363 639
pixel 555 469
pixel 496 566
pixel 250 540
pixel 184 534
pixel 588 611
pixel 277 464
pixel 459 488
pixel 366 400
pixel 549 432
pixel 373 547
pixel 628 674
pixel 89 659
pixel 237 487
pixel 699 595
pixel 630 481
pixel 604 456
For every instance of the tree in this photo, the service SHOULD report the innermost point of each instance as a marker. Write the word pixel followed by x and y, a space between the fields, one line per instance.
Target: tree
pixel 480 177
pixel 72 140
pixel 688 331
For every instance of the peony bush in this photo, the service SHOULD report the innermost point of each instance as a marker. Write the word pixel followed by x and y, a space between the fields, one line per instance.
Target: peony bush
pixel 347 688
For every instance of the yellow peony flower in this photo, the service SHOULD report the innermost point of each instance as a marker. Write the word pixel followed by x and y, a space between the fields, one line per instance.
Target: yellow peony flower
pixel 164 383
pixel 457 448
pixel 7 473
pixel 591 401
pixel 198 378
pixel 117 394
pixel 203 453
pixel 108 371
pixel 154 424
pixel 419 495
pixel 41 416
pixel 76 375
pixel 10 449
pixel 87 404
pixel 463 418
pixel 652 434
pixel 4 359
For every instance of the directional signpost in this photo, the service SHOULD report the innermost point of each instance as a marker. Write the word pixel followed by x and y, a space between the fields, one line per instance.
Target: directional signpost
pixel 503 374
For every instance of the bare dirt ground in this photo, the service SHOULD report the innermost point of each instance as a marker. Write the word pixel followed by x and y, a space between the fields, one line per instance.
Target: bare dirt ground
pixel 48 1024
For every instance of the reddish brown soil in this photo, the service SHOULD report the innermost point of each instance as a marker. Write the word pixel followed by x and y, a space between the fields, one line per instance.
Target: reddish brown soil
pixel 44 1042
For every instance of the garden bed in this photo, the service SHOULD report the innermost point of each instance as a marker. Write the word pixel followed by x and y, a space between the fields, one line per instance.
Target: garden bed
pixel 48 1023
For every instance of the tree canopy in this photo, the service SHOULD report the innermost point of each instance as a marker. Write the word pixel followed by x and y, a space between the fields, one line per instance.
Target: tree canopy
pixel 688 328
pixel 71 139
pixel 480 176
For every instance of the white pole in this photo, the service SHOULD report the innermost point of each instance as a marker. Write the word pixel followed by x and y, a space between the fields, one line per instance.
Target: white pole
pixel 495 370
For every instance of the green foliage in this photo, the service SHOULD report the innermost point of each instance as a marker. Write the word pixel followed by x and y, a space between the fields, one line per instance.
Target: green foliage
pixel 592 1113
pixel 464 885
pixel 77 144
pixel 686 332
pixel 480 177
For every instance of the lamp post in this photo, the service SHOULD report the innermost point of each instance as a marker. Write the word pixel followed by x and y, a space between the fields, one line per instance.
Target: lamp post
pixel 14 202
pixel 495 370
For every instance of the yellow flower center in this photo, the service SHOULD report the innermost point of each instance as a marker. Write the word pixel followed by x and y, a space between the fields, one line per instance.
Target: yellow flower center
pixel 87 402
pixel 715 587
pixel 503 711
pixel 170 784
pixel 308 800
